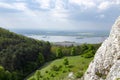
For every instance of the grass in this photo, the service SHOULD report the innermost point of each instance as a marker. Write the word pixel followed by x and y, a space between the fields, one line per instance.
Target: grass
pixel 76 64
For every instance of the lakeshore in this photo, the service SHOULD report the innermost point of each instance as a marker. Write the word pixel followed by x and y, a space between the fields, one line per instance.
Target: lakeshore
pixel 68 40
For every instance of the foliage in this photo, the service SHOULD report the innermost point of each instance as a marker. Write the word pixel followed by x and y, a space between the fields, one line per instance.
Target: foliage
pixel 55 68
pixel 38 75
pixel 20 54
pixel 40 58
pixel 57 71
pixel 59 53
pixel 73 52
pixel 89 54
pixel 6 75
pixel 66 62
pixel 79 74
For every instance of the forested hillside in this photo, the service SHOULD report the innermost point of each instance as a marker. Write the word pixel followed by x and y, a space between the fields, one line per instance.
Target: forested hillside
pixel 20 55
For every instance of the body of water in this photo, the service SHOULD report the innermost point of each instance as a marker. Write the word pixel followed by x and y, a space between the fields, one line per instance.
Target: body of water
pixel 63 37
pixel 68 39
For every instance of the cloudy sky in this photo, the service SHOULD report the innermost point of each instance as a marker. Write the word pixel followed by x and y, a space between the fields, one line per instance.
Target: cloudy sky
pixel 59 14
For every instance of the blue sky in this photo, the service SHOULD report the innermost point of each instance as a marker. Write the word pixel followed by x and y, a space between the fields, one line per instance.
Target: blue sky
pixel 59 14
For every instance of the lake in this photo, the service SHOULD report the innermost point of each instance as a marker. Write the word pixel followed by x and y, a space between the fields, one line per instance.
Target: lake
pixel 66 37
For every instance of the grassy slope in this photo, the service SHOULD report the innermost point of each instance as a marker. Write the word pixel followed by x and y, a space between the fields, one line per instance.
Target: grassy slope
pixel 79 64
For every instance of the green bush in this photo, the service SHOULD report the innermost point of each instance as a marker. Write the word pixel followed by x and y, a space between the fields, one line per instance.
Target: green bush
pixel 89 54
pixel 54 68
pixel 64 71
pixel 59 53
pixel 38 74
pixel 5 74
pixel 52 75
pixel 73 52
pixel 40 59
pixel 60 66
pixel 79 74
pixel 66 62
pixel 46 71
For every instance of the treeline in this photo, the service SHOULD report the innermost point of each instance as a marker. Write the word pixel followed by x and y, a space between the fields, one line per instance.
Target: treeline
pixel 86 50
pixel 20 55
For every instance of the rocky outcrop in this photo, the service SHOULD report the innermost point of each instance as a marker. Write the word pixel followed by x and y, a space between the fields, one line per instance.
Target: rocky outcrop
pixel 106 63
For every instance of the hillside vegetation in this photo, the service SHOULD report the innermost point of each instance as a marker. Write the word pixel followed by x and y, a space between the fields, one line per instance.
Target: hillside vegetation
pixel 57 70
pixel 20 55
pixel 65 68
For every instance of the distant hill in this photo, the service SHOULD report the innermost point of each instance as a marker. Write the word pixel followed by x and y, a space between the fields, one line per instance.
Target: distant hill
pixel 21 55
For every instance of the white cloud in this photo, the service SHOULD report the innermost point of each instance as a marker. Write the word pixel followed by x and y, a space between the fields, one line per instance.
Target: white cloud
pixel 59 14
pixel 45 4
pixel 60 11
pixel 101 5
pixel 104 5
pixel 118 2
pixel 62 4
pixel 84 3
pixel 6 5
pixel 57 11
pixel 20 6
pixel 16 6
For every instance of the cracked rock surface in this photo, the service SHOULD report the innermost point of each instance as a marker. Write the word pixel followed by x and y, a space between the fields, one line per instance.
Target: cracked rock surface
pixel 106 63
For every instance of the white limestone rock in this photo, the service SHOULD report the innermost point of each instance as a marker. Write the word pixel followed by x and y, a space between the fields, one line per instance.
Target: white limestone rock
pixel 106 63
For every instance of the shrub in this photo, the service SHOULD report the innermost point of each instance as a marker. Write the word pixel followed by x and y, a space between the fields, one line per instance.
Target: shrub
pixel 66 62
pixel 52 75
pixel 60 66
pixel 89 54
pixel 38 74
pixel 59 53
pixel 64 71
pixel 46 71
pixel 73 52
pixel 79 74
pixel 55 68
pixel 70 66
pixel 40 58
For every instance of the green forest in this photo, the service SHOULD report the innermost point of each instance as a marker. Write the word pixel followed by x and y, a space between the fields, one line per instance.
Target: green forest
pixel 20 55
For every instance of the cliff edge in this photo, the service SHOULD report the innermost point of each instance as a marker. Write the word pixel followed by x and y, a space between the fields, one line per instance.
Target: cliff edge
pixel 106 63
